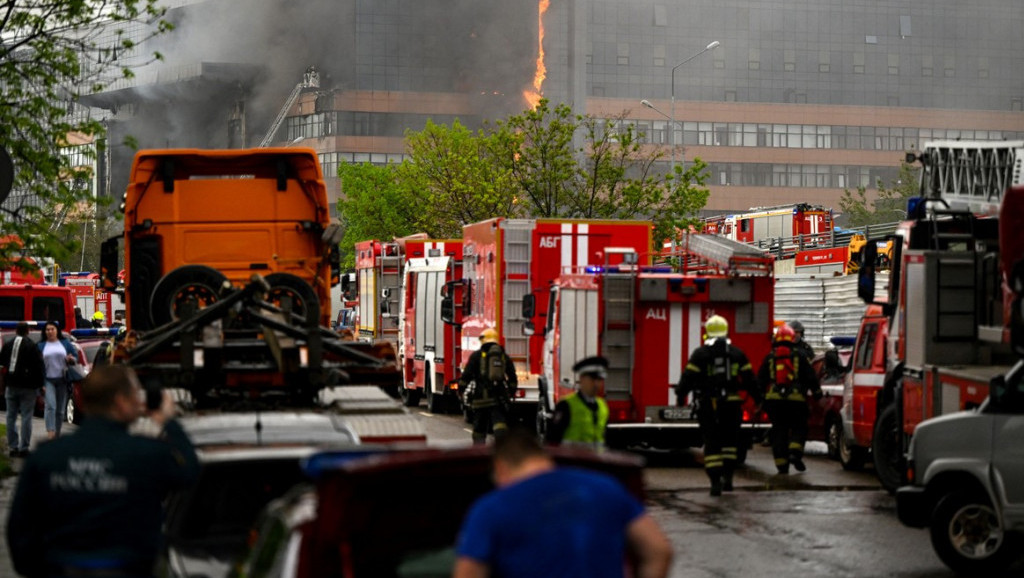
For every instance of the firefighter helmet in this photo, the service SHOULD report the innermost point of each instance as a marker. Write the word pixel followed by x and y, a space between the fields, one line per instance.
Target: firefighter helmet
pixel 490 335
pixel 797 327
pixel 716 326
pixel 785 333
pixel 98 316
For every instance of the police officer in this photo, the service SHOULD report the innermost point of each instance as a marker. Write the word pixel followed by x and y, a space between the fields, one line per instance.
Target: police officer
pixel 582 416
pixel 787 376
pixel 716 372
pixel 798 341
pixel 491 398
pixel 89 504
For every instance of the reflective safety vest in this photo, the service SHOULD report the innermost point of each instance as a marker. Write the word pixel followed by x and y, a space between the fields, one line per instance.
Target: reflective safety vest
pixel 584 427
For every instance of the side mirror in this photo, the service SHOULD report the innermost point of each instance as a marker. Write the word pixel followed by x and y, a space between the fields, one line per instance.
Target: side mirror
pixel 448 310
pixel 528 328
pixel 110 263
pixel 529 306
pixel 334 260
pixel 866 274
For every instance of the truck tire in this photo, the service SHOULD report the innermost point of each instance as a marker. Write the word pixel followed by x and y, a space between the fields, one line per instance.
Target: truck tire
pixel 851 457
pixel 305 303
pixel 196 281
pixel 833 436
pixel 967 536
pixel 887 450
pixel 410 396
pixel 435 401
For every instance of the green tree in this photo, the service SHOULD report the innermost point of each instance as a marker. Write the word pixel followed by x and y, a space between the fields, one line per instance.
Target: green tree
pixel 375 205
pixel 52 52
pixel 457 178
pixel 888 206
pixel 577 166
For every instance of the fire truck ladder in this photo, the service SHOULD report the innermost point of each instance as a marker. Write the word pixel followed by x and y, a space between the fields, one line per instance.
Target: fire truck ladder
pixel 311 79
pixel 970 176
pixel 389 271
pixel 617 346
pixel 517 284
pixel 701 253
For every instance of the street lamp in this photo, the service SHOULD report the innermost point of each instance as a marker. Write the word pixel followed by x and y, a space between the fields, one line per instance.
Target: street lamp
pixel 672 118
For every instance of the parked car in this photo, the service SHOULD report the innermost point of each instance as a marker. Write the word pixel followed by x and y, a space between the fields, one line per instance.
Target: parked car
pixel 247 459
pixel 825 423
pixel 353 522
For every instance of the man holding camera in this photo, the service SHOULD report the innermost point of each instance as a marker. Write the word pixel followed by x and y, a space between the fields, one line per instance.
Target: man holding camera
pixel 90 504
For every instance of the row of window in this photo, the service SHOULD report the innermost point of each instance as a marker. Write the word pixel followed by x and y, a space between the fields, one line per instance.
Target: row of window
pixel 803 136
pixel 352 123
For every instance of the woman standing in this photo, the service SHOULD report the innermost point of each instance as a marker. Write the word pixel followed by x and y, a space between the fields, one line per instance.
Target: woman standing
pixel 58 354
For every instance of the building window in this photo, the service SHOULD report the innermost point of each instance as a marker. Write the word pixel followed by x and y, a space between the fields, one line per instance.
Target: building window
pixel 824 60
pixel 719 56
pixel 858 63
pixel 623 53
pixel 659 55
pixel 982 67
pixel 894 64
pixel 730 96
pixel 754 59
pixel 660 15
pixel 949 68
pixel 789 60
pixel 1017 104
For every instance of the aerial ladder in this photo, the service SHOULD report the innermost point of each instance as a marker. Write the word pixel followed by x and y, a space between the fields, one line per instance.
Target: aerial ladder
pixel 310 79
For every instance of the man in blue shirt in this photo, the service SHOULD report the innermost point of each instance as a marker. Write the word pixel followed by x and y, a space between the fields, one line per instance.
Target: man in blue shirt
pixel 549 521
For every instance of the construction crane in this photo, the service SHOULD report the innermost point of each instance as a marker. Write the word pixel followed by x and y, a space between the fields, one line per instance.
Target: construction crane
pixel 311 79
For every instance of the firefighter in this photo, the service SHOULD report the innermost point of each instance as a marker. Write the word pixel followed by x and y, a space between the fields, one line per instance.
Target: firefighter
pixel 787 377
pixel 715 373
pixel 582 416
pixel 798 341
pixel 493 378
pixel 98 319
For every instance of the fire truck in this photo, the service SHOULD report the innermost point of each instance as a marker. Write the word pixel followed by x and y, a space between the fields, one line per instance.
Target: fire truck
pixel 931 345
pixel 228 257
pixel 784 228
pixel 646 320
pixel 431 350
pixel 506 259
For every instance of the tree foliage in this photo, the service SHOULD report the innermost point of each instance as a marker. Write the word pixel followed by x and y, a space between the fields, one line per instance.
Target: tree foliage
pixel 53 52
pixel 888 206
pixel 542 163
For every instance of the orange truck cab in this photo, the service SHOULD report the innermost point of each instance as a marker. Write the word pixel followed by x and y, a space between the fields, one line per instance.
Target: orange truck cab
pixel 197 218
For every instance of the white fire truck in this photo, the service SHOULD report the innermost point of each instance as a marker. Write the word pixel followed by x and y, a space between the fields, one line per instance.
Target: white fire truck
pixel 506 259
pixel 646 320
pixel 430 350
pixel 784 229
pixel 932 345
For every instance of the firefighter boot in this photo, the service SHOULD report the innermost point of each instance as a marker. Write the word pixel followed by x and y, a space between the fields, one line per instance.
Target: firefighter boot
pixel 716 486
pixel 798 463
pixel 727 480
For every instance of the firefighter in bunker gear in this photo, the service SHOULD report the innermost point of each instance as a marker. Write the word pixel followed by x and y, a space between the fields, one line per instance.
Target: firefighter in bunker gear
pixel 798 341
pixel 716 373
pixel 582 416
pixel 787 377
pixel 493 376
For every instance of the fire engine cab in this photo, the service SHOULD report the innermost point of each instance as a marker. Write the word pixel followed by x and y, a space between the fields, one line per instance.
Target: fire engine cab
pixel 933 343
pixel 646 320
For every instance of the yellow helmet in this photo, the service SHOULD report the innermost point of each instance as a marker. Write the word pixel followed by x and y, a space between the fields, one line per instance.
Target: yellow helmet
pixel 490 335
pixel 98 316
pixel 716 326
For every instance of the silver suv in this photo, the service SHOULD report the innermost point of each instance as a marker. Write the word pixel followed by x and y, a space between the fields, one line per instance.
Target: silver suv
pixel 966 475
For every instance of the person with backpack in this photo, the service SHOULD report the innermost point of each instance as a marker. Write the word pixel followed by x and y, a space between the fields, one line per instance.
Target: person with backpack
pixel 23 377
pixel 787 377
pixel 716 373
pixel 493 377
pixel 581 417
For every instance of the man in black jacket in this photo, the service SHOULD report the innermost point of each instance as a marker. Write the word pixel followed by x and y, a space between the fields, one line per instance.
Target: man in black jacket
pixel 90 504
pixel 23 376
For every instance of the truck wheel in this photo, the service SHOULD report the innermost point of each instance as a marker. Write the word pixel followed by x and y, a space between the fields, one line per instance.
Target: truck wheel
pixel 304 300
pixel 833 436
pixel 435 401
pixel 69 411
pixel 851 457
pixel 966 535
pixel 410 396
pixel 887 450
pixel 188 281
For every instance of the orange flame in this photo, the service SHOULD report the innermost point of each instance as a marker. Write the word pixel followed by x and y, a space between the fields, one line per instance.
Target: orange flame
pixel 534 95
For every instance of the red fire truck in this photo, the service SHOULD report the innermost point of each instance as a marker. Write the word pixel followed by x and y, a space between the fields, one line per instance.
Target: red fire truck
pixel 431 350
pixel 506 259
pixel 932 345
pixel 784 228
pixel 646 321
pixel 379 278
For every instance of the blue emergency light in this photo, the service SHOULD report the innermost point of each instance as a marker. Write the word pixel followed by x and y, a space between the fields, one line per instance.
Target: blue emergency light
pixel 31 324
pixel 95 332
pixel 843 341
pixel 319 463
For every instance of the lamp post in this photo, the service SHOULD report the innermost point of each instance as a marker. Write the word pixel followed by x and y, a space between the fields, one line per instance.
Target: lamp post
pixel 672 117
